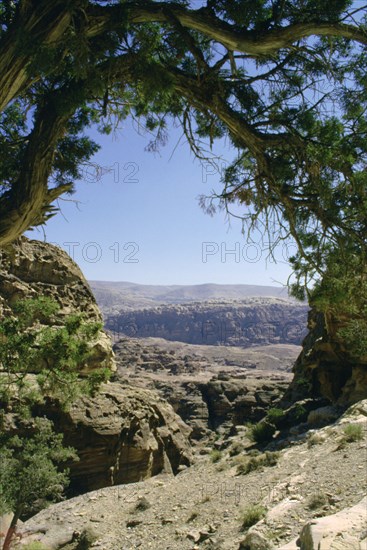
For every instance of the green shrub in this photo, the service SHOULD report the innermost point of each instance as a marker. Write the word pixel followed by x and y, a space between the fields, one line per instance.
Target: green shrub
pixel 299 412
pixel 142 505
pixel 353 432
pixel 215 455
pixel 317 500
pixel 274 415
pixel 354 336
pixel 256 462
pixel 262 432
pixel 252 515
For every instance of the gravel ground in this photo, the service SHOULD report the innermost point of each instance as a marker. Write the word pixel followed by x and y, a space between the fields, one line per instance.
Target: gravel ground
pixel 202 506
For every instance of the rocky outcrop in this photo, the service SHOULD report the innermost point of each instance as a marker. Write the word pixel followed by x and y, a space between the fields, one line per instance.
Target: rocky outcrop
pixel 29 269
pixel 325 368
pixel 345 530
pixel 122 435
pixel 256 321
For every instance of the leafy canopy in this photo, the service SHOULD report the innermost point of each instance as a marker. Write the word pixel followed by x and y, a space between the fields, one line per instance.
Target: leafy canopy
pixel 283 80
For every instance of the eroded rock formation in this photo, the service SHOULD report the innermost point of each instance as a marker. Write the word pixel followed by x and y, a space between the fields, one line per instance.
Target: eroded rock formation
pixel 122 435
pixel 30 268
pixel 325 368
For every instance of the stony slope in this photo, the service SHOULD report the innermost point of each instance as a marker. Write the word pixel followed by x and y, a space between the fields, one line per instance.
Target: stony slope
pixel 317 474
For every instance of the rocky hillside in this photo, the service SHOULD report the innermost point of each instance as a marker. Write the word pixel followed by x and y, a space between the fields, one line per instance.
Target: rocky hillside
pixel 256 321
pixel 213 392
pixel 306 490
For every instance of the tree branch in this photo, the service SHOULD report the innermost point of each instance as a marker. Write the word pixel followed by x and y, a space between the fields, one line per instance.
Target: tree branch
pixel 45 23
pixel 27 202
pixel 102 18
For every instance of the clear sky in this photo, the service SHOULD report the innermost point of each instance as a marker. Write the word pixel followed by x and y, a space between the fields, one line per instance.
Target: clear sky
pixel 138 219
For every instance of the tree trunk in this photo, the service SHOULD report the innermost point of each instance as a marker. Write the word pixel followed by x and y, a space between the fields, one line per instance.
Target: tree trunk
pixel 11 530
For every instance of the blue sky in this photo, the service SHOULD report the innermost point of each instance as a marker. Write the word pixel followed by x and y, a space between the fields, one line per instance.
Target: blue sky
pixel 138 219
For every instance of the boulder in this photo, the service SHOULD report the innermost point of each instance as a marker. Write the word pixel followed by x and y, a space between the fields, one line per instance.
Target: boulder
pixel 345 530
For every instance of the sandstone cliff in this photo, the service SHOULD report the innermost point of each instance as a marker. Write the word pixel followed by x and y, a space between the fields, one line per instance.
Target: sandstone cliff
pixel 121 434
pixel 255 321
pixel 31 268
pixel 325 368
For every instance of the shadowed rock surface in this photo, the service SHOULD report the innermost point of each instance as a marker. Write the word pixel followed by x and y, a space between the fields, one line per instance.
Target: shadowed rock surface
pixel 325 368
pixel 122 435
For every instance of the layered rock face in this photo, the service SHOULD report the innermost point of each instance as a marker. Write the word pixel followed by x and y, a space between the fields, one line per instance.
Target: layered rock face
pixel 222 401
pixel 256 321
pixel 122 435
pixel 325 368
pixel 29 269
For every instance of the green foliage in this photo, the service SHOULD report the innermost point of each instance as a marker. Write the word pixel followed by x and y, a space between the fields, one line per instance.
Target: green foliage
pixel 215 455
pixel 252 515
pixel 299 412
pixel 352 432
pixel 354 337
pixel 274 415
pixel 317 500
pixel 260 461
pixel 262 432
pixel 39 359
pixel 29 474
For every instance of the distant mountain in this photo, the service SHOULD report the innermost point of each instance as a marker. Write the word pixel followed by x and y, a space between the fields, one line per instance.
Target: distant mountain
pixel 117 296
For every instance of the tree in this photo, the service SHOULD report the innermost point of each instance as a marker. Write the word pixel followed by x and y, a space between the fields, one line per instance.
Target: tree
pixel 38 360
pixel 30 476
pixel 284 80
